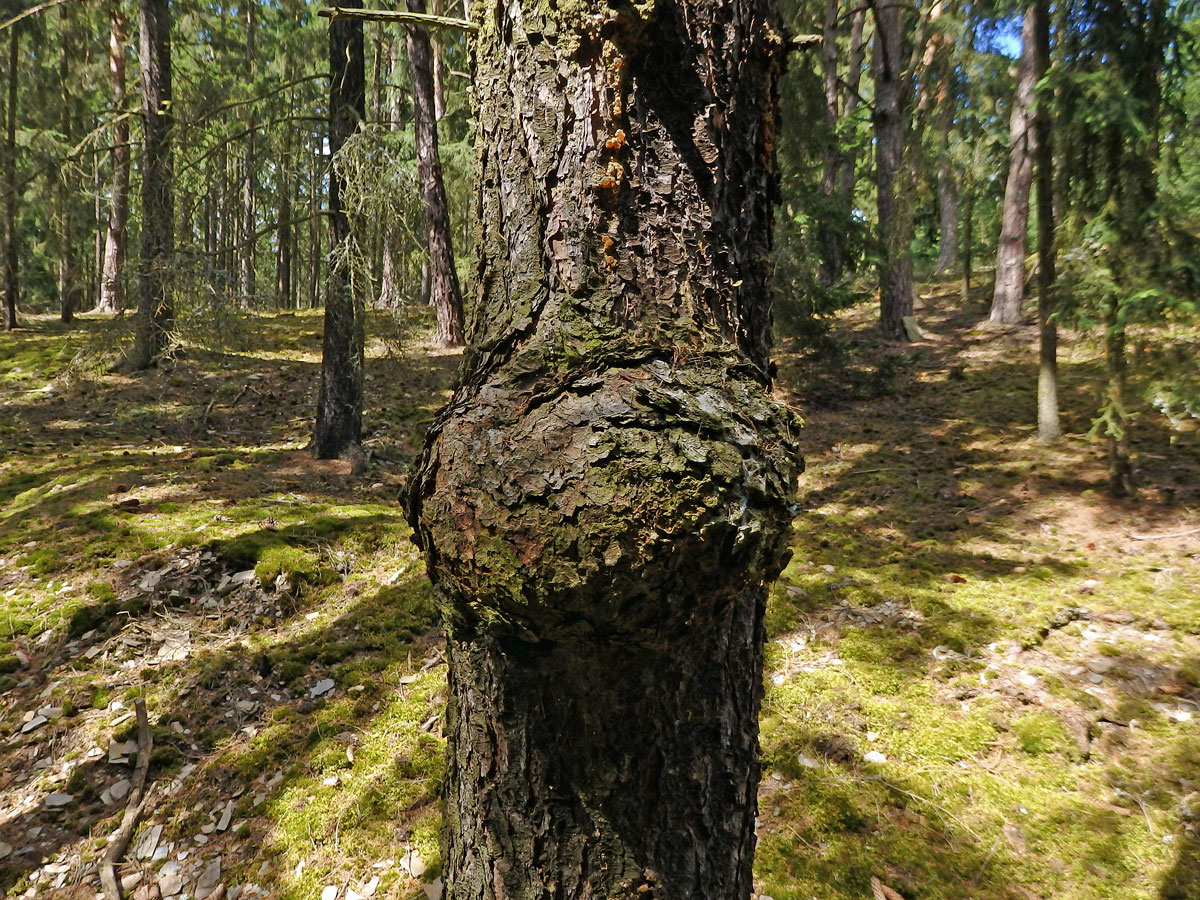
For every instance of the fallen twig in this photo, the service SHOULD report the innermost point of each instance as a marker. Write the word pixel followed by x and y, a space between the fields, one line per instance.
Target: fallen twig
pixel 133 808
pixel 1163 537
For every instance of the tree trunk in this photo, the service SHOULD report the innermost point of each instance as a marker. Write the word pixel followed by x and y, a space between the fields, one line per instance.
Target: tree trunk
pixel 895 216
pixel 70 269
pixel 837 180
pixel 283 235
pixel 947 189
pixel 340 393
pixel 12 282
pixel 968 254
pixel 447 296
pixel 607 494
pixel 246 259
pixel 1049 429
pixel 1014 218
pixel 829 233
pixel 156 314
pixel 112 297
pixel 389 277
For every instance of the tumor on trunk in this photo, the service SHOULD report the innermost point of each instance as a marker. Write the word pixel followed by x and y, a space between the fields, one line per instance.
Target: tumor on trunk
pixel 608 492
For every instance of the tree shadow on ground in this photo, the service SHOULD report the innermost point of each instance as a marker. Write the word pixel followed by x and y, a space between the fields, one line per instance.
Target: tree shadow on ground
pixel 242 716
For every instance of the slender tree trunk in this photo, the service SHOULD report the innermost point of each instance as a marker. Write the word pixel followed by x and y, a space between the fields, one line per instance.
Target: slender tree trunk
pixel 829 234
pixel 1049 429
pixel 112 295
pixel 156 314
pixel 1014 218
pixel 968 237
pixel 837 181
pixel 318 166
pixel 895 216
pixel 1120 467
pixel 854 70
pixel 947 190
pixel 447 296
pixel 601 509
pixel 12 282
pixel 389 276
pixel 246 260
pixel 283 235
pixel 340 393
pixel 70 270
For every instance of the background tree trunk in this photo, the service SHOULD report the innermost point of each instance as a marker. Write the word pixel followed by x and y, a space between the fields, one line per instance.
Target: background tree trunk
pixel 156 314
pixel 947 188
pixel 1049 429
pixel 389 277
pixel 1014 218
pixel 12 278
pixel 70 269
pixel 112 295
pixel 895 215
pixel 446 293
pixel 837 181
pixel 607 493
pixel 340 393
pixel 246 255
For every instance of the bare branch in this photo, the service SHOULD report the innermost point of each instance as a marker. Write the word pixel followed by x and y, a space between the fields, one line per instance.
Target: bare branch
pixel 392 15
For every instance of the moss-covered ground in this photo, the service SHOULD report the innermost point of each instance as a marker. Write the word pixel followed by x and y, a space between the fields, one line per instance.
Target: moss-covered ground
pixel 983 676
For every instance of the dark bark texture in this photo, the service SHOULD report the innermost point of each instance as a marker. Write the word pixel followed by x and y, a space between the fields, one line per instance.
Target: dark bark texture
pixel 895 215
pixel 445 290
pixel 340 393
pixel 608 492
pixel 156 315
pixel 1014 219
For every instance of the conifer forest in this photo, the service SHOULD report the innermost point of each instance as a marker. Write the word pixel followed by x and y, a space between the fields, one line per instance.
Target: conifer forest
pixel 615 450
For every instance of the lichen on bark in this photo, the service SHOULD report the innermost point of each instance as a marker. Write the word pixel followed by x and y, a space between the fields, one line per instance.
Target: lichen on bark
pixel 609 490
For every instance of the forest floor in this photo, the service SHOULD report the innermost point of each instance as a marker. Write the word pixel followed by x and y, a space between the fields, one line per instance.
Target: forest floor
pixel 983 675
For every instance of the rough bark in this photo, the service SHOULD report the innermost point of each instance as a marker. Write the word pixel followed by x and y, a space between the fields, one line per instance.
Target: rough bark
pixel 12 282
pixel 446 293
pixel 112 298
pixel 155 315
pixel 1049 429
pixel 1014 217
pixel 340 393
pixel 894 215
pixel 606 495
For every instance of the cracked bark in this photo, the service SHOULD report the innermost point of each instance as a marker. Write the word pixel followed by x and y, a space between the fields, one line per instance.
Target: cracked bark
pixel 608 492
pixel 340 393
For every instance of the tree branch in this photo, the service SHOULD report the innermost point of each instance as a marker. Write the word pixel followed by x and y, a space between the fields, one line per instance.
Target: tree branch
pixel 392 15
pixel 133 808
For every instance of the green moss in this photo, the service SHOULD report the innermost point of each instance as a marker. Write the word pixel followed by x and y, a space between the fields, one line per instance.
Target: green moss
pixel 295 564
pixel 1041 733
pixel 102 591
pixel 214 462
pixel 9 664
